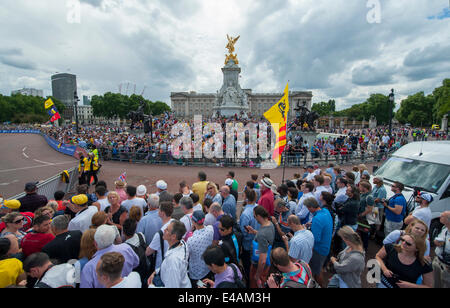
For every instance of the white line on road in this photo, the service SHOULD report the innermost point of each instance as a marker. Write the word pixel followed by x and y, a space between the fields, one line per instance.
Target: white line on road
pixel 42 162
pixel 32 167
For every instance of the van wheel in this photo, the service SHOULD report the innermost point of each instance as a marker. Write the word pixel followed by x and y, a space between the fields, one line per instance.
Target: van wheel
pixel 435 229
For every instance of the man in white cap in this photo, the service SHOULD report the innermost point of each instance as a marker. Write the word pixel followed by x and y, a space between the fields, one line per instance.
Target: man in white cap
pixel 422 212
pixel 267 197
pixel 229 183
pixel 162 191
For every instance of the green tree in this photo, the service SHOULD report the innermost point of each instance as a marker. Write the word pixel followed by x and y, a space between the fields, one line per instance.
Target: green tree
pixel 324 108
pixel 417 109
pixel 442 101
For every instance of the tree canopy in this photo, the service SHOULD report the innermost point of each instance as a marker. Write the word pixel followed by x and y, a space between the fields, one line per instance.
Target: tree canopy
pixel 324 108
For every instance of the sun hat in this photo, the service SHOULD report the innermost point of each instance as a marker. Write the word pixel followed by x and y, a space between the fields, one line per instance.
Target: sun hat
pixel 141 190
pixel 161 185
pixel 267 182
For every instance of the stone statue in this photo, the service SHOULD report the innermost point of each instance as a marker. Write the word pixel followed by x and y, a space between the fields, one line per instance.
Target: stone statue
pixel 230 97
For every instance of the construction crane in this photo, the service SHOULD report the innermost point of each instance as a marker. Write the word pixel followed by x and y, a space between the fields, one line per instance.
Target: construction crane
pixel 142 94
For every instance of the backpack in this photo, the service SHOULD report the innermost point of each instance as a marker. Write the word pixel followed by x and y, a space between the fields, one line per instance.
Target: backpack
pixel 237 284
pixel 311 282
pixel 143 269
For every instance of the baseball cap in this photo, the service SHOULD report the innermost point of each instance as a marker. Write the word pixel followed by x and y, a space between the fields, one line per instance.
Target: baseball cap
pixel 267 182
pixel 80 200
pixel 198 217
pixel 11 204
pixel 228 182
pixel 161 184
pixel 426 196
pixel 30 186
pixel 141 190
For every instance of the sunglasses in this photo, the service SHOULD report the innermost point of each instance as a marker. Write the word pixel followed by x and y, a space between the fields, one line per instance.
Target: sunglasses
pixel 407 243
pixel 19 221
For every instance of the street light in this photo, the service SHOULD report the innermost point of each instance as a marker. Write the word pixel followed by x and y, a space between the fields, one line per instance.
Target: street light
pixel 391 103
pixel 76 100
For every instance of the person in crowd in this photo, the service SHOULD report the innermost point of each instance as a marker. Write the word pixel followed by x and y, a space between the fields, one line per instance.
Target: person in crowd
pixel 93 169
pixel 141 192
pixel 293 274
pixel 185 189
pixel 87 251
pixel 162 192
pixel 350 262
pixel 341 194
pixel 197 244
pixel 378 193
pixel 423 211
pixel 102 199
pixel 109 272
pixel 292 199
pixel 302 211
pixel 104 242
pixel 49 275
pixel 59 197
pixel 10 206
pixel 66 244
pixel 132 200
pixel 83 213
pixel 231 241
pixel 98 219
pixel 135 213
pixel 348 212
pixel 14 222
pixel 441 262
pixel 136 240
pixel 262 245
pixel 300 246
pixel 197 206
pixel 45 210
pixel 267 196
pixel 403 264
pixel 177 209
pixel 319 187
pixel 173 272
pixel 188 209
pixel 213 193
pixel 417 228
pixel 209 218
pixel 41 235
pixel 322 229
pixel 366 206
pixel 235 185
pixel 158 245
pixel 245 220
pixel 229 201
pixel 116 212
pixel 32 200
pixel 120 189
pixel 217 212
pixel 279 220
pixel 225 275
pixel 151 222
pixel 11 268
pixel 395 209
pixel 200 187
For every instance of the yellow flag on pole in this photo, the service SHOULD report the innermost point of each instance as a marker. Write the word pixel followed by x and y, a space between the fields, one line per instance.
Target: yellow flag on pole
pixel 277 115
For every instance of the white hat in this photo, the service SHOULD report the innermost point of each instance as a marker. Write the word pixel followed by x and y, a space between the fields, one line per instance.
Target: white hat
pixel 141 190
pixel 229 182
pixel 161 184
pixel 267 182
pixel 425 196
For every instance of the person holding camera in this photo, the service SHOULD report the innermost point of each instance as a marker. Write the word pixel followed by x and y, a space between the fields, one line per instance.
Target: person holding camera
pixel 291 275
pixel 441 263
pixel 395 209
pixel 422 212
pixel 403 264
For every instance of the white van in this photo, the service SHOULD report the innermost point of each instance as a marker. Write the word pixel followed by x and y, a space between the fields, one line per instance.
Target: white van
pixel 422 165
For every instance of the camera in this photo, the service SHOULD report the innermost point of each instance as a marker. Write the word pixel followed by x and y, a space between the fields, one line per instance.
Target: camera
pixel 277 277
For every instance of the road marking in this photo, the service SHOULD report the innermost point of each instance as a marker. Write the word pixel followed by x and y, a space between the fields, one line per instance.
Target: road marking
pixel 42 162
pixel 32 167
pixel 23 152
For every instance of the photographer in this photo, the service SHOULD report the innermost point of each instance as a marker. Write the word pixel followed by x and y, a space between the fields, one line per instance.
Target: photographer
pixel 422 212
pixel 292 275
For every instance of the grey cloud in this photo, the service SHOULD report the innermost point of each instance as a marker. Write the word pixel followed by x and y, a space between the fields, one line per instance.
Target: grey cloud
pixel 10 51
pixel 18 63
pixel 96 3
pixel 369 75
pixel 435 53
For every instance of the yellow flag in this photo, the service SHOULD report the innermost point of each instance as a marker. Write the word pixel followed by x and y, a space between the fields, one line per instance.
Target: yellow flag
pixel 48 103
pixel 277 115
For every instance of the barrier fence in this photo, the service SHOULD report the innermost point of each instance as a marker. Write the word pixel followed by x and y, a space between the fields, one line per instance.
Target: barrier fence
pixel 292 160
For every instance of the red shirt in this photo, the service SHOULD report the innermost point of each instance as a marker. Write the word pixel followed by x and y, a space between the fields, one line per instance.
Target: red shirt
pixel 266 201
pixel 34 242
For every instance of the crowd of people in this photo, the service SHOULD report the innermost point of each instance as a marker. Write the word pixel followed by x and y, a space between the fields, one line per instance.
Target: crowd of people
pixel 311 231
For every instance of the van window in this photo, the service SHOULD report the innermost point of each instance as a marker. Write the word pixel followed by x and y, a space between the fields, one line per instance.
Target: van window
pixel 446 194
pixel 412 173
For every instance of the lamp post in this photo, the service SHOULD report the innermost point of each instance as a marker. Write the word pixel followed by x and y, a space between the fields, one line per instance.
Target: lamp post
pixel 76 100
pixel 391 102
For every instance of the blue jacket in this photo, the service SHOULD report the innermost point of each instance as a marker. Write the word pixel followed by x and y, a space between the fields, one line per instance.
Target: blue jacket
pixel 322 229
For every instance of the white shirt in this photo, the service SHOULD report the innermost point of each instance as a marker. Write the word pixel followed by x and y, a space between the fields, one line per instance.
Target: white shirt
pixel 128 204
pixel 104 203
pixel 444 236
pixel 155 244
pixel 132 281
pixel 197 244
pixel 424 214
pixel 302 211
pixel 198 207
pixel 174 269
pixel 83 219
pixel 318 192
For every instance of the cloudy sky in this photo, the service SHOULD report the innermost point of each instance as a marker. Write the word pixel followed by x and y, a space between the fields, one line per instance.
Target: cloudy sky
pixel 338 49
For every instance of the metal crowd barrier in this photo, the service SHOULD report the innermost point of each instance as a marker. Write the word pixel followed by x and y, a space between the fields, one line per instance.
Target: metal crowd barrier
pixel 292 160
pixel 49 186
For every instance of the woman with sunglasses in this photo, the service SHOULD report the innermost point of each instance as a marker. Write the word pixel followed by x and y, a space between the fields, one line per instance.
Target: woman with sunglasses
pixel 212 193
pixel 14 223
pixel 403 264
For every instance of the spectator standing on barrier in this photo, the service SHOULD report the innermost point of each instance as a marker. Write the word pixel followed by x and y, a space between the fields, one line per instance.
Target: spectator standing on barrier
pixel 104 242
pixel 267 196
pixel 109 272
pixel 350 262
pixel 83 213
pixel 441 263
pixel 35 240
pixel 31 201
pixel 151 222
pixel 200 187
pixel 229 202
pixel 395 209
pixel 66 244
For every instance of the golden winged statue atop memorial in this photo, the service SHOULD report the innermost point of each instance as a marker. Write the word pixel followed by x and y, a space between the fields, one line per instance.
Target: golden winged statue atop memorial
pixel 230 46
